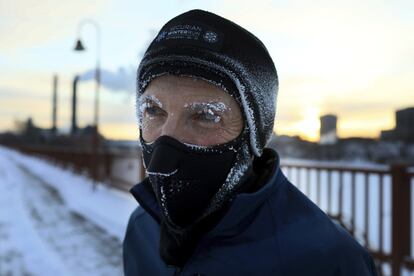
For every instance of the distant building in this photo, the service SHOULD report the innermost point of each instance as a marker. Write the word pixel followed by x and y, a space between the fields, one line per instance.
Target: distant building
pixel 327 133
pixel 404 130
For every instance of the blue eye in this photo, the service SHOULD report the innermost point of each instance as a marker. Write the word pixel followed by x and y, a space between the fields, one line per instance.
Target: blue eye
pixel 208 117
pixel 151 110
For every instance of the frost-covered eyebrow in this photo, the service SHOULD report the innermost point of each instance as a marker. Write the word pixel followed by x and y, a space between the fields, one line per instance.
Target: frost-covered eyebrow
pixel 144 102
pixel 209 106
pixel 150 98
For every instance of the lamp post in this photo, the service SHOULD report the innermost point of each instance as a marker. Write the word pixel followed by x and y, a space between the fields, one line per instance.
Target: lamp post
pixel 80 47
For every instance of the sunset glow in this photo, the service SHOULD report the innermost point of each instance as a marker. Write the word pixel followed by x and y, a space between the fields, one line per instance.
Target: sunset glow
pixel 353 59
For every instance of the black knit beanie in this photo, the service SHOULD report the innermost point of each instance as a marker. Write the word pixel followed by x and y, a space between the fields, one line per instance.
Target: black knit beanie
pixel 204 45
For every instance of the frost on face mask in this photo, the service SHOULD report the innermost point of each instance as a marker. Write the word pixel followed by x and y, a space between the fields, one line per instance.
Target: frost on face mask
pixel 233 180
pixel 161 174
pixel 170 167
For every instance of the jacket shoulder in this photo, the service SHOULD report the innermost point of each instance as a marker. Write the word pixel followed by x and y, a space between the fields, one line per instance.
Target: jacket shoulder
pixel 141 246
pixel 137 214
pixel 307 236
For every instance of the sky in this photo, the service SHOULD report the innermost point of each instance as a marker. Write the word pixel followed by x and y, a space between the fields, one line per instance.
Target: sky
pixel 354 59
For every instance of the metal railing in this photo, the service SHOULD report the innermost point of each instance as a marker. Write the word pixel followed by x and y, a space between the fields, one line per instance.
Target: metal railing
pixel 108 167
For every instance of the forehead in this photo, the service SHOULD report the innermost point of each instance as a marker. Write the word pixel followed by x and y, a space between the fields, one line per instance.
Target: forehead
pixel 186 88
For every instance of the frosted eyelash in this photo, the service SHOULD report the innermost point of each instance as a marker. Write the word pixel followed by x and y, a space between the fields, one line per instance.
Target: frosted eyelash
pixel 209 107
pixel 144 103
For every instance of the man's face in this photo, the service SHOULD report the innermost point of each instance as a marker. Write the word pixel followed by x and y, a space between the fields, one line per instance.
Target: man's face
pixel 190 110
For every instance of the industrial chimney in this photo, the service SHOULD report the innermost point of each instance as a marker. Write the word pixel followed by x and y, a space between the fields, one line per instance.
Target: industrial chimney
pixel 74 127
pixel 54 104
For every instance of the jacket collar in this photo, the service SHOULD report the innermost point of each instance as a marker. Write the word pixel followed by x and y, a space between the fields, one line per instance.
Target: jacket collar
pixel 244 204
pixel 143 193
pixel 241 207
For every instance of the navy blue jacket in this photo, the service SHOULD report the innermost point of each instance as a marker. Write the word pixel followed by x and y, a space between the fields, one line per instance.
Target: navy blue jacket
pixel 276 230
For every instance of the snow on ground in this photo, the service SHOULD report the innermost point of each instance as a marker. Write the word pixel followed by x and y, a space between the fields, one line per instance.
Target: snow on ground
pixel 53 223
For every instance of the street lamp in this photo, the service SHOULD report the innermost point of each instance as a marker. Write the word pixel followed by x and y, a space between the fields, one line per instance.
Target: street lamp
pixel 80 47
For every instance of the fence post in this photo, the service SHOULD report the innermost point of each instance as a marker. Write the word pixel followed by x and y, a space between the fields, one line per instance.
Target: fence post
pixel 401 217
pixel 109 160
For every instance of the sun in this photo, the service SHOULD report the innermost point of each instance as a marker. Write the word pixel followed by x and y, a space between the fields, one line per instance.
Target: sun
pixel 309 126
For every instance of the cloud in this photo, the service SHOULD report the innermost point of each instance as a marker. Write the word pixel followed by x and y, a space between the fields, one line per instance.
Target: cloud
pixel 121 80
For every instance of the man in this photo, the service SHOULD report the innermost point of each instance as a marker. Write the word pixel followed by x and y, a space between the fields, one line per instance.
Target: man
pixel 215 201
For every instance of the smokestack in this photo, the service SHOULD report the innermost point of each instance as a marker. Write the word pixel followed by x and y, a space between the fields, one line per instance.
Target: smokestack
pixel 74 102
pixel 54 104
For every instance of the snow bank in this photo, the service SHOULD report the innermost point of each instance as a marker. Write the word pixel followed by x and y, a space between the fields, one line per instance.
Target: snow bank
pixel 106 207
pixel 22 250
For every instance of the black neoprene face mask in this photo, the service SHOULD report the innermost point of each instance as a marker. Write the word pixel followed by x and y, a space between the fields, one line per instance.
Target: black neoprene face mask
pixel 185 177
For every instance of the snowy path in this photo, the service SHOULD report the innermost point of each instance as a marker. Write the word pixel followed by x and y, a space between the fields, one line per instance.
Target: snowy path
pixel 41 235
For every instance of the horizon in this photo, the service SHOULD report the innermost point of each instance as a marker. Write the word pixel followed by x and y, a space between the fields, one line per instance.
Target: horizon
pixel 67 132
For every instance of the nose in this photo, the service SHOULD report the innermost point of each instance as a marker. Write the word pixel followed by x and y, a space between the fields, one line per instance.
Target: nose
pixel 173 128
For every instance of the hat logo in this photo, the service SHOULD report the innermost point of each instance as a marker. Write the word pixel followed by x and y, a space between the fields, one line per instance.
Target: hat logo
pixel 161 36
pixel 210 37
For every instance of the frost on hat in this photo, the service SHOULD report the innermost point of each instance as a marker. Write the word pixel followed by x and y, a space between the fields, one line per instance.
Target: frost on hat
pixel 201 42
